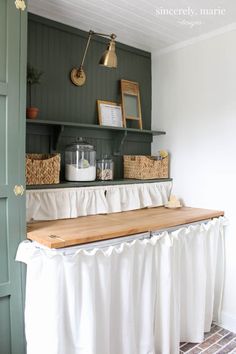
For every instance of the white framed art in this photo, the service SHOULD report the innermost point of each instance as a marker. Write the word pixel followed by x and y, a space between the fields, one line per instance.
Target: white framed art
pixel 110 114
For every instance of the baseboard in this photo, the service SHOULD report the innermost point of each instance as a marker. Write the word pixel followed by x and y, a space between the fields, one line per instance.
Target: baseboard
pixel 228 321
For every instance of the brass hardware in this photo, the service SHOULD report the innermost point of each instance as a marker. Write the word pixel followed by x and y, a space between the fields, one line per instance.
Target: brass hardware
pixel 19 190
pixel 108 59
pixel 78 76
pixel 20 5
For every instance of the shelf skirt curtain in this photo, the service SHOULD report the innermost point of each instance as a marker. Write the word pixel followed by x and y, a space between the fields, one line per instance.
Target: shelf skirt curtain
pixel 142 297
pixel 63 203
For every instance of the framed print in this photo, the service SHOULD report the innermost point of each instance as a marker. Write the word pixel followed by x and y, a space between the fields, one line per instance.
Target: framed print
pixel 109 114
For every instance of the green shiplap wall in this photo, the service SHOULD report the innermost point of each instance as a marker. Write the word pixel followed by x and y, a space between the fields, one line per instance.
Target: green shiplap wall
pixel 55 49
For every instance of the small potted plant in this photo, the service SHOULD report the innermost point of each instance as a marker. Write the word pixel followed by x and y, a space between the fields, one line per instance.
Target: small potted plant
pixel 33 78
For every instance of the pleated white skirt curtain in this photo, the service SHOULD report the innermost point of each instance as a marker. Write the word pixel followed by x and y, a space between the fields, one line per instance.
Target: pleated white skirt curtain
pixel 64 203
pixel 139 297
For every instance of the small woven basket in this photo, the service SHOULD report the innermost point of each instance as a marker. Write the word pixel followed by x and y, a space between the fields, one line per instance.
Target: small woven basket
pixel 43 168
pixel 145 167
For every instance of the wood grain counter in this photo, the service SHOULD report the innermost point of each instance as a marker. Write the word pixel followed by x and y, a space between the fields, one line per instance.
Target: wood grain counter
pixel 69 232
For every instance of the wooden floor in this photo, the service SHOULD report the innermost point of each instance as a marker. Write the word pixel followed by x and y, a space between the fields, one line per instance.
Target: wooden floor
pixel 218 340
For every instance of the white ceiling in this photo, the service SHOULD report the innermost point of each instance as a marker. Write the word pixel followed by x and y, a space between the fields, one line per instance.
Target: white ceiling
pixel 136 22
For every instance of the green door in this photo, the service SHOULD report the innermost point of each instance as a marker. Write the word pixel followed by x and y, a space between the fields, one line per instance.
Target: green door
pixel 12 147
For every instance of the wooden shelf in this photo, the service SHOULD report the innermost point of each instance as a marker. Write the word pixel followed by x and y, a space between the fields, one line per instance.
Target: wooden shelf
pixel 93 126
pixel 119 138
pixel 65 184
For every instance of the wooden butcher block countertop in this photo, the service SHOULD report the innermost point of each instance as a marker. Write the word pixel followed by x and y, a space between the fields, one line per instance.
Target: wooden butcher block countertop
pixel 69 232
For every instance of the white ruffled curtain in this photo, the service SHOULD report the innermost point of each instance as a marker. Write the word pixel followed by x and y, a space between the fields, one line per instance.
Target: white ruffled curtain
pixel 138 297
pixel 52 204
pixel 190 263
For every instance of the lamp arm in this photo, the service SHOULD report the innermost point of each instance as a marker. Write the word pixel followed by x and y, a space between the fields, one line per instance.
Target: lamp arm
pixel 112 36
pixel 86 49
pixel 77 75
pixel 92 33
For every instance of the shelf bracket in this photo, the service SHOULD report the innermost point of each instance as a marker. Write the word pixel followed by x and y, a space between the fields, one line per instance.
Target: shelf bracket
pixel 119 142
pixel 56 137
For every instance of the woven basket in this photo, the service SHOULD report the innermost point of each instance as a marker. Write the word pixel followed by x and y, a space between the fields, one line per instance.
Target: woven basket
pixel 145 167
pixel 43 168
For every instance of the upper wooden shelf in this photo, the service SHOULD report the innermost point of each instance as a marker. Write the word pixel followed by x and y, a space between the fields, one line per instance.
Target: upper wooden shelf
pixel 94 126
pixel 85 229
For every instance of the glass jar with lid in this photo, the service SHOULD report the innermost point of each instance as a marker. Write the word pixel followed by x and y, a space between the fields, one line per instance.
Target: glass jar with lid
pixel 80 161
pixel 105 169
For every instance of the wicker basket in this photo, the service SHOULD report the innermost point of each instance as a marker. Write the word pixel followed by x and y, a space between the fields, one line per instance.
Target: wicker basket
pixel 43 168
pixel 145 167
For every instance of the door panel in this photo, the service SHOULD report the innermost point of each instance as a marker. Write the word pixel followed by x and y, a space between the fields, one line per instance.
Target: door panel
pixel 5 337
pixel 4 269
pixel 12 207
pixel 3 39
pixel 3 146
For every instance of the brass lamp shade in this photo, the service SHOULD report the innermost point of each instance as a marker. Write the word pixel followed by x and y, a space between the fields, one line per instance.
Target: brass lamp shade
pixel 109 58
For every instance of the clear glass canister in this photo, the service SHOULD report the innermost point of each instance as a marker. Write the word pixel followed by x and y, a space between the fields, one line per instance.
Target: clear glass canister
pixel 105 169
pixel 80 161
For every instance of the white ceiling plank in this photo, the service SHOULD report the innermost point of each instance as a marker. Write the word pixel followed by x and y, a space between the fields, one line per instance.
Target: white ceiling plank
pixel 135 21
pixel 132 40
pixel 112 17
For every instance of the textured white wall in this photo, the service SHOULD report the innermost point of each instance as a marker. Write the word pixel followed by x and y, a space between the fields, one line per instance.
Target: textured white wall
pixel 194 101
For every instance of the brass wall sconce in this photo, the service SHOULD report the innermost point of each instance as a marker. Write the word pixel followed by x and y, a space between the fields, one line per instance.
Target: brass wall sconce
pixel 108 59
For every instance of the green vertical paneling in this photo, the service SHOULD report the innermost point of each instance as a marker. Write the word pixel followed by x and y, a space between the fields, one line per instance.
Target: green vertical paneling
pixel 12 149
pixel 55 49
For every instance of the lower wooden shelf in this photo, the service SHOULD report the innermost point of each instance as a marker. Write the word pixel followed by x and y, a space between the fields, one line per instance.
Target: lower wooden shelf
pixel 65 184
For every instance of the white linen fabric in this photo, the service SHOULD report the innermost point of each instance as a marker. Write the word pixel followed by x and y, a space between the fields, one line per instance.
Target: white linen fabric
pixel 190 264
pixel 137 297
pixel 137 196
pixel 63 203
